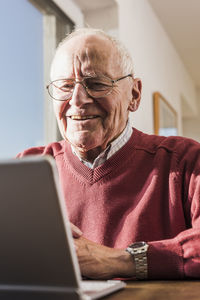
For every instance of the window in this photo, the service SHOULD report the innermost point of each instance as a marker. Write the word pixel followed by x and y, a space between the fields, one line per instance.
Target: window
pixel 30 32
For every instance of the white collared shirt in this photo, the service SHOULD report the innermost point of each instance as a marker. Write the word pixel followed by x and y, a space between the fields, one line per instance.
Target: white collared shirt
pixel 117 144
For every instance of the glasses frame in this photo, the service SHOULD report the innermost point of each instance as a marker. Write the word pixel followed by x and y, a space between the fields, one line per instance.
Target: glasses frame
pixel 112 81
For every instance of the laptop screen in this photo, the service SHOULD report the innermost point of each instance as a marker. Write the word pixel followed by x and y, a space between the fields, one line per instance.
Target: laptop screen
pixel 35 249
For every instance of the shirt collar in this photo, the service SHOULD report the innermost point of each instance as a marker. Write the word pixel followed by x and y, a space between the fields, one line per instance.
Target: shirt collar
pixel 117 144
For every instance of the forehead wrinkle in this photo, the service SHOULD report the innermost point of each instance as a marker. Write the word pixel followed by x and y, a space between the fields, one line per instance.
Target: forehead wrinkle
pixel 88 58
pixel 95 55
pixel 77 65
pixel 93 59
pixel 80 61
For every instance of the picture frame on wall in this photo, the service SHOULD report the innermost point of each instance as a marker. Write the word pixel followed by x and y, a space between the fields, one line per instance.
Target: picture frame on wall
pixel 165 116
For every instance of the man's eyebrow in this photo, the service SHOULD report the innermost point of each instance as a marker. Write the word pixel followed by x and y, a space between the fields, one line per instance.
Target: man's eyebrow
pixel 90 73
pixel 86 74
pixel 96 74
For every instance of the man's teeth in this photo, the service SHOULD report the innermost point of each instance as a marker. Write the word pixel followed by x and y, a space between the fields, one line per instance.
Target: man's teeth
pixel 82 117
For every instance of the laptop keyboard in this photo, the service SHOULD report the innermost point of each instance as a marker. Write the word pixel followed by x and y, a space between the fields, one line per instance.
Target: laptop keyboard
pixel 92 285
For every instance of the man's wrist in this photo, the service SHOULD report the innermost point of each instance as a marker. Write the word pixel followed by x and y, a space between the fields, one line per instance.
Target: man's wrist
pixel 138 251
pixel 123 264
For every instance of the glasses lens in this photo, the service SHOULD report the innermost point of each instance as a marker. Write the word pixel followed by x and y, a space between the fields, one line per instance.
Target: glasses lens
pixel 61 89
pixel 98 86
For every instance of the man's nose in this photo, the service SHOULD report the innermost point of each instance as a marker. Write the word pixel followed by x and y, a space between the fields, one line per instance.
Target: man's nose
pixel 80 95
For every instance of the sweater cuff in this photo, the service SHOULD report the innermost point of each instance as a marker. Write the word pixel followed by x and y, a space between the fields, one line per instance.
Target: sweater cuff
pixel 165 260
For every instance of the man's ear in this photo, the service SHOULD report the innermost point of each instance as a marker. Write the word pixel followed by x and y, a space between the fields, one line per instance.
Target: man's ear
pixel 136 94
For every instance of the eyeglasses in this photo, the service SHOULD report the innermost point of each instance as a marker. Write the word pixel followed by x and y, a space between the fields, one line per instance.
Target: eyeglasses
pixel 96 87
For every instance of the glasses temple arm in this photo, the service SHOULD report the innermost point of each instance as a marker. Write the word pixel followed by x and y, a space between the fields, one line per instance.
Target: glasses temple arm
pixel 129 75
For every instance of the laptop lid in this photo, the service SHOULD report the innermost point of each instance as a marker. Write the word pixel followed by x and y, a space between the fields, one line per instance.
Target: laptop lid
pixel 37 254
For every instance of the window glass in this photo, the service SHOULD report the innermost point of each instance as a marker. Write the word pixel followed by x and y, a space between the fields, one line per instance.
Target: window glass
pixel 21 77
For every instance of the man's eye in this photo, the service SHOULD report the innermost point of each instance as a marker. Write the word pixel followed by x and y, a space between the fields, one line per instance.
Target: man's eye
pixel 96 84
pixel 67 87
pixel 64 86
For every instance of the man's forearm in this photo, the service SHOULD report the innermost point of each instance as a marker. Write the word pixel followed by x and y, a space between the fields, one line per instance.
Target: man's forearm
pixel 101 262
pixel 123 264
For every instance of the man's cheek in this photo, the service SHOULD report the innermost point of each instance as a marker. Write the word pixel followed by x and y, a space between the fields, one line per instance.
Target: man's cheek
pixel 114 116
pixel 60 109
pixel 64 123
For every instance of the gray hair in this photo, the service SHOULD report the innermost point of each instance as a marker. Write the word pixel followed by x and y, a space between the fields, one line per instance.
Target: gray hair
pixel 126 62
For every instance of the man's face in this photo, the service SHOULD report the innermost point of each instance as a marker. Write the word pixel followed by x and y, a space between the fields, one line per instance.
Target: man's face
pixel 88 123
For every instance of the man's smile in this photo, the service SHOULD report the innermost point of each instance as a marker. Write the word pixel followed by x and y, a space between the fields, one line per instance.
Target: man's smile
pixel 80 118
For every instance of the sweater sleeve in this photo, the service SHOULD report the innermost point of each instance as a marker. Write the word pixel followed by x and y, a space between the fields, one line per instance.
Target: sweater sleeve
pixel 31 151
pixel 179 257
pixel 52 149
pixel 175 258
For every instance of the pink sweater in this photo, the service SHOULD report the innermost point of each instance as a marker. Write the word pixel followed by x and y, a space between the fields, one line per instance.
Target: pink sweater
pixel 148 191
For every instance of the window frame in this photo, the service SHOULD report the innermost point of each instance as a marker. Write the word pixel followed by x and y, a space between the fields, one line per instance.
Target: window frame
pixel 56 25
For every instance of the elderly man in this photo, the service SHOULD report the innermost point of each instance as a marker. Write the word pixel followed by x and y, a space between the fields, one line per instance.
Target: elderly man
pixel 133 198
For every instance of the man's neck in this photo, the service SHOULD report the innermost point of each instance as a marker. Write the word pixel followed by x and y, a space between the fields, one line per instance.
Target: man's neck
pixel 89 155
pixel 99 155
pixel 92 154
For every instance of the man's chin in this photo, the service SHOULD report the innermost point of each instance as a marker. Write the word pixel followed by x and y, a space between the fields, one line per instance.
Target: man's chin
pixel 84 143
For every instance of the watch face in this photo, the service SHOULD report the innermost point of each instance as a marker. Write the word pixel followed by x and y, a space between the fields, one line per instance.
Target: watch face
pixel 137 245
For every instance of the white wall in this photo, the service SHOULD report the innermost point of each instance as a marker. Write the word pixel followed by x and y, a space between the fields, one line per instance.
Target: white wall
pixel 72 10
pixel 104 18
pixel 156 61
pixel 191 124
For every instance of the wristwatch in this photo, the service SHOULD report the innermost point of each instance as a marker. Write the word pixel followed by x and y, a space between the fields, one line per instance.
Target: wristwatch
pixel 139 252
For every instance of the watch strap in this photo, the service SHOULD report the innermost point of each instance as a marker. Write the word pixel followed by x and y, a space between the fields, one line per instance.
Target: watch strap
pixel 140 257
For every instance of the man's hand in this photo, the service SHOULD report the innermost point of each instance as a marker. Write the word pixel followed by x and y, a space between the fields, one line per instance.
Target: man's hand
pixel 101 262
pixel 76 232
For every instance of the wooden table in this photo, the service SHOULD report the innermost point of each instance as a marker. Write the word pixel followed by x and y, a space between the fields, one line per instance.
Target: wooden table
pixel 158 290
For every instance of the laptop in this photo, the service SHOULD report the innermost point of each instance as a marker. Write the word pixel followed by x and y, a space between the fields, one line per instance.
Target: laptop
pixel 37 255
